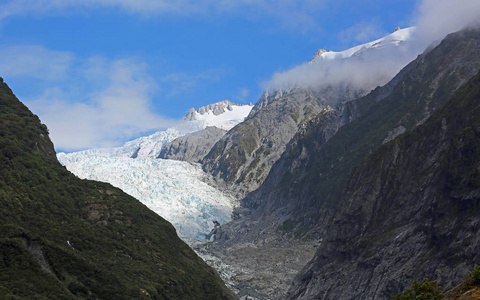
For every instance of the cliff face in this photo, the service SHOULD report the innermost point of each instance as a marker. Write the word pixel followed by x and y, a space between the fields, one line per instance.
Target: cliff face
pixel 66 238
pixel 242 159
pixel 411 210
pixel 302 190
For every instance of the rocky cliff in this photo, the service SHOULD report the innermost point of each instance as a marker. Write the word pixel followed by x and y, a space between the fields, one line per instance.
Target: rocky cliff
pixel 215 108
pixel 410 211
pixel 66 238
pixel 303 188
pixel 242 159
pixel 302 191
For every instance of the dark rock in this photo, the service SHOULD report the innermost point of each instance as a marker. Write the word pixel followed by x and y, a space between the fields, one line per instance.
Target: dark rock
pixel 410 211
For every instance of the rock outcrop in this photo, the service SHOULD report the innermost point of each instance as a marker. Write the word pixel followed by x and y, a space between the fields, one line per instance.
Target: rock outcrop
pixel 215 108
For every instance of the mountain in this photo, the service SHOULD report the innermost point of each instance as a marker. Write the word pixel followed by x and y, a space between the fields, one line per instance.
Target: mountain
pixel 409 211
pixel 398 37
pixel 66 238
pixel 291 210
pixel 242 159
pixel 175 190
pixel 303 188
pixel 223 115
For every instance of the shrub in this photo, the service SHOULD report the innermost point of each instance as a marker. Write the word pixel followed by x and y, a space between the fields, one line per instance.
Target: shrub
pixel 424 290
pixel 476 275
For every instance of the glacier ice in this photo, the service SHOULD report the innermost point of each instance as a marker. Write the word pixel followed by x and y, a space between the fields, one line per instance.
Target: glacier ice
pixel 172 189
pixel 175 190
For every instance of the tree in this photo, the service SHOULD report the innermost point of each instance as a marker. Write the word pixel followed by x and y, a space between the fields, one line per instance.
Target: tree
pixel 424 290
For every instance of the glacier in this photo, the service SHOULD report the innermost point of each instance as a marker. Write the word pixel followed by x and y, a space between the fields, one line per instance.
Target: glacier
pixel 172 189
pixel 175 190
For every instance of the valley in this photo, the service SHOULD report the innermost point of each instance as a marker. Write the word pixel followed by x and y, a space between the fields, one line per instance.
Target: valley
pixel 336 187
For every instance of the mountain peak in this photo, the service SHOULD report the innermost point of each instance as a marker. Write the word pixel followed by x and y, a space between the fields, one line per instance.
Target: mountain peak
pixel 215 109
pixel 318 53
pixel 224 114
pixel 397 37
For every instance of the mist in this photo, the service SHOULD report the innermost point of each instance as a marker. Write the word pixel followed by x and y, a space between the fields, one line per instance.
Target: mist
pixel 433 20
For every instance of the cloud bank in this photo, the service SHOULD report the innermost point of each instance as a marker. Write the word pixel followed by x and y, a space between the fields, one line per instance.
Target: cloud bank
pixel 86 103
pixel 434 19
pixel 117 111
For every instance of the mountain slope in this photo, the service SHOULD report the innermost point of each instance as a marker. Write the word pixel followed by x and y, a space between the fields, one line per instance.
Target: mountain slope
pixel 242 159
pixel 304 187
pixel 62 237
pixel 302 192
pixel 411 210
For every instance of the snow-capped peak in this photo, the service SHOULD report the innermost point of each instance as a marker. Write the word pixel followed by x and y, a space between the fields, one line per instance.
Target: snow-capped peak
pixel 394 39
pixel 224 114
pixel 173 189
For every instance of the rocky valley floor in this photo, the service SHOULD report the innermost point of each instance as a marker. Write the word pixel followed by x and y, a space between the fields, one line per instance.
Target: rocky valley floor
pixel 257 270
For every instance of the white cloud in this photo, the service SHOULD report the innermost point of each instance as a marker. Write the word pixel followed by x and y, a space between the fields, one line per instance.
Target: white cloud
pixel 361 33
pixel 86 103
pixel 437 18
pixel 34 61
pixel 119 111
pixel 365 72
pixel 180 82
pixel 434 20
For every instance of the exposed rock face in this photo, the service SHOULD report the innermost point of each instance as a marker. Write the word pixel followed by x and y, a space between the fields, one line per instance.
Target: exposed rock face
pixel 303 189
pixel 410 211
pixel 304 186
pixel 241 160
pixel 192 147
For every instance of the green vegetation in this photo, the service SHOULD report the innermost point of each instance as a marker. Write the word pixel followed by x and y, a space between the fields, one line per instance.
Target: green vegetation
pixel 473 278
pixel 475 275
pixel 430 290
pixel 244 141
pixel 424 290
pixel 64 238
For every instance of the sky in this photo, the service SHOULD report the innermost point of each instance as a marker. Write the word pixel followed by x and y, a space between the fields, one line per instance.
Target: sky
pixel 102 72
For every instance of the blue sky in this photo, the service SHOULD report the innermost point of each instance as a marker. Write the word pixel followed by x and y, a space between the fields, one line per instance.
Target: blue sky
pixel 101 72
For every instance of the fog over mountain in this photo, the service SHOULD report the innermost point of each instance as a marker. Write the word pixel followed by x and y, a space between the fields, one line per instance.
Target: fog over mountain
pixel 432 23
